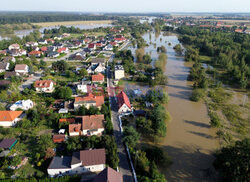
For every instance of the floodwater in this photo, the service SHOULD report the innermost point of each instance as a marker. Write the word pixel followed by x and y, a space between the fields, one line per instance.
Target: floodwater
pixel 22 33
pixel 190 141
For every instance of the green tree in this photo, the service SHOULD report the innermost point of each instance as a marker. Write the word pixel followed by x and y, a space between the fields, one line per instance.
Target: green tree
pixel 131 136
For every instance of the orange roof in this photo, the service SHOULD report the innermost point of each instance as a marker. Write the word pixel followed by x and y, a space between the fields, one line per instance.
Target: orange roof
pixel 58 138
pixel 96 78
pixel 70 120
pixel 35 52
pixel 9 115
pixel 59 50
pixel 74 128
pixel 90 97
pixel 92 122
pixel 43 83
pixel 122 98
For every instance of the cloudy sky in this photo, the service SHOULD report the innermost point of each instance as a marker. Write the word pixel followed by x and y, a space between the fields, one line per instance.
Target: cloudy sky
pixel 128 5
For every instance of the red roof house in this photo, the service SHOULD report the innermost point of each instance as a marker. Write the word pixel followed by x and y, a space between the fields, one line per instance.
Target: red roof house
pixel 98 78
pixel 123 103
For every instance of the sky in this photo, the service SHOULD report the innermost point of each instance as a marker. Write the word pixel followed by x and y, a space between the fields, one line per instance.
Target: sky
pixel 127 5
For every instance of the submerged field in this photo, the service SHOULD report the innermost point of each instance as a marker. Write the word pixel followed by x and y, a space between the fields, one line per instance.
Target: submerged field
pixel 52 24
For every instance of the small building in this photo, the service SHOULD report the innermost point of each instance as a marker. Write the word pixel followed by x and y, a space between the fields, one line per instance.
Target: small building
pixel 99 68
pixel 8 59
pixel 18 52
pixel 93 125
pixel 92 46
pixel 75 129
pixel 35 53
pixel 8 143
pixel 58 138
pixel 123 103
pixel 10 118
pixel 80 162
pixel 22 104
pixel 98 78
pixel 97 61
pixel 119 72
pixel 83 86
pixel 88 101
pixel 9 74
pixel 63 50
pixel 14 47
pixel 4 66
pixel 21 69
pixel 63 111
pixel 53 54
pixel 42 42
pixel 108 175
pixel 4 84
pixel 31 44
pixel 46 86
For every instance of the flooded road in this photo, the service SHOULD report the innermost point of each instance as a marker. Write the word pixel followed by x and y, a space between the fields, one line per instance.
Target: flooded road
pixel 189 141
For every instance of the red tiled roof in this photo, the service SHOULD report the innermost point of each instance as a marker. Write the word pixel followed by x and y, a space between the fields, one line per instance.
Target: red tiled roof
pixel 70 120
pixel 97 78
pixel 44 49
pixel 90 97
pixel 122 98
pixel 92 122
pixel 43 83
pixel 58 138
pixel 9 115
pixel 91 45
pixel 74 128
pixel 113 43
pixel 239 30
pixel 98 44
pixel 109 175
pixel 120 39
pixel 34 52
pixel 93 157
pixel 61 49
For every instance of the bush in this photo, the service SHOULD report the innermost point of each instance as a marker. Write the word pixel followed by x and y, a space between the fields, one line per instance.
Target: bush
pixel 197 94
pixel 215 120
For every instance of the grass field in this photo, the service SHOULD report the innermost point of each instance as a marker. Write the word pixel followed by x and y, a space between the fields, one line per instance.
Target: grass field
pixel 52 24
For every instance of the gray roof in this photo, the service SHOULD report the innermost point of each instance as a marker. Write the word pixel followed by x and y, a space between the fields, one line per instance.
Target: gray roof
pixel 60 162
pixel 7 143
pixel 98 60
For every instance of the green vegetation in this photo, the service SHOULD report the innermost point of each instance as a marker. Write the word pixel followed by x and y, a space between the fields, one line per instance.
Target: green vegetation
pixel 233 162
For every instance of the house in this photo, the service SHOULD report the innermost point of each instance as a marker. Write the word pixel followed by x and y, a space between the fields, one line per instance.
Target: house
pixel 8 143
pixel 44 49
pixel 246 32
pixel 22 104
pixel 35 53
pixel 63 111
pixel 108 175
pixel 83 86
pixel 109 47
pixel 93 125
pixel 8 59
pixel 51 49
pixel 63 50
pixel 50 41
pixel 4 84
pixel 92 46
pixel 99 68
pixel 238 31
pixel 9 74
pixel 21 69
pixel 80 162
pixel 14 47
pixel 64 35
pixel 119 72
pixel 75 129
pixel 70 120
pixel 3 52
pixel 98 78
pixel 42 42
pixel 46 86
pixel 53 54
pixel 58 45
pixel 31 44
pixel 113 43
pixel 58 138
pixel 18 52
pixel 123 103
pixel 97 61
pixel 119 39
pixel 88 101
pixel 9 118
pixel 4 66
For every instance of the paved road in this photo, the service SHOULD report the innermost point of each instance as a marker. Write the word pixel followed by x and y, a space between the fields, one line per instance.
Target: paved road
pixel 30 81
pixel 124 165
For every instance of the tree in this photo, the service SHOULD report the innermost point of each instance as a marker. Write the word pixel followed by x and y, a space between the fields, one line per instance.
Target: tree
pixel 45 142
pixel 139 54
pixel 234 161
pixel 60 66
pixel 83 72
pixel 131 136
pixel 63 93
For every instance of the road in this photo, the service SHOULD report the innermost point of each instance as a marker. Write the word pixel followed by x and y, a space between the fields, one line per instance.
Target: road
pixel 124 165
pixel 29 82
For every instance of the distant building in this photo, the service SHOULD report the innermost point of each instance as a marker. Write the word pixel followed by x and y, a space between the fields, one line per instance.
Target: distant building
pixel 119 72
pixel 46 86
pixel 22 104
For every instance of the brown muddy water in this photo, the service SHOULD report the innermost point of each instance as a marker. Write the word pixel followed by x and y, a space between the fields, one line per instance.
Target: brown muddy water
pixel 190 141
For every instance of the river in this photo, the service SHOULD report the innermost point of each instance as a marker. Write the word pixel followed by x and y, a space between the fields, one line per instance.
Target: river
pixel 190 141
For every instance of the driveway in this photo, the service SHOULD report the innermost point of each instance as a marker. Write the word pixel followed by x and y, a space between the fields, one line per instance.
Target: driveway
pixel 30 81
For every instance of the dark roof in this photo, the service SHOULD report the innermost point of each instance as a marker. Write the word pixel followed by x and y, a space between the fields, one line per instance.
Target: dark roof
pixel 60 162
pixel 98 60
pixel 5 82
pixel 109 175
pixel 9 74
pixel 89 157
pixel 7 143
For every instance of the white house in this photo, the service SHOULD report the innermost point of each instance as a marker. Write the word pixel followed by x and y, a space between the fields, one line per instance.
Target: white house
pixel 80 162
pixel 83 86
pixel 100 68
pixel 31 44
pixel 119 72
pixel 10 118
pixel 4 66
pixel 18 52
pixel 21 69
pixel 14 46
pixel 42 41
pixel 46 86
pixel 22 104
pixel 123 103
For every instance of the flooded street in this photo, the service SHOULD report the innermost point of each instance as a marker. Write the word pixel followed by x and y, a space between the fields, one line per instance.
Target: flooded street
pixel 189 141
